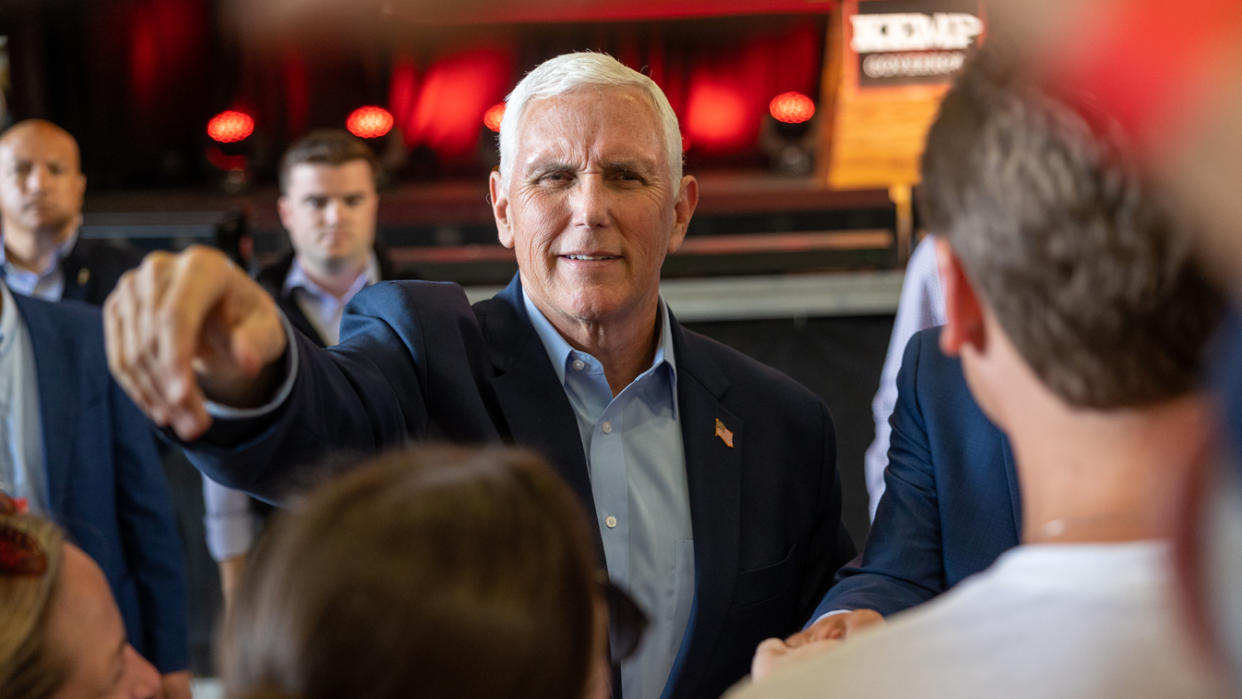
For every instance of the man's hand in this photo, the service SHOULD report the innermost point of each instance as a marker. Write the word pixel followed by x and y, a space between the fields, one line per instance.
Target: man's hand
pixel 774 654
pixel 184 328
pixel 835 627
pixel 176 685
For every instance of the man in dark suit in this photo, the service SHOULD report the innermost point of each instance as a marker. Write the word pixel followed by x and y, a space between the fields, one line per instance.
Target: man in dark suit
pixel 951 503
pixel 711 477
pixel 79 451
pixel 328 202
pixel 41 192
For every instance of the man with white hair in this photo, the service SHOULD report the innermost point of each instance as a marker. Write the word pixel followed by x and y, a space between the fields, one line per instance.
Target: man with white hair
pixel 712 478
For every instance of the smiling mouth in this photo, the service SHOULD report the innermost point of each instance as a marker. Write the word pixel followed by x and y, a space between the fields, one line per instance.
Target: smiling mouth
pixel 591 258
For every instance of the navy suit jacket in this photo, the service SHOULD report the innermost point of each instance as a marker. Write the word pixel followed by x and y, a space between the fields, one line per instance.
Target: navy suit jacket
pixel 951 503
pixel 416 360
pixel 93 268
pixel 105 484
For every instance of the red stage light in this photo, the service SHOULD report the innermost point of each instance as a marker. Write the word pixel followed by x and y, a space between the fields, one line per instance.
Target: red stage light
pixel 791 108
pixel 369 122
pixel 230 126
pixel 492 117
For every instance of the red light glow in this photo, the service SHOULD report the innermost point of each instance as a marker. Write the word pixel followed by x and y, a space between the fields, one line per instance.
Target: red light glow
pixel 369 122
pixel 791 108
pixel 230 126
pixel 492 117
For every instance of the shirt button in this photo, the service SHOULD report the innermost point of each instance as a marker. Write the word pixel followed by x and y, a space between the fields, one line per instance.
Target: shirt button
pixel 579 365
pixel 606 427
pixel 611 521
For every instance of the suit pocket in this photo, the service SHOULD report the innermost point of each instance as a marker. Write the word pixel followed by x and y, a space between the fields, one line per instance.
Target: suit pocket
pixel 762 584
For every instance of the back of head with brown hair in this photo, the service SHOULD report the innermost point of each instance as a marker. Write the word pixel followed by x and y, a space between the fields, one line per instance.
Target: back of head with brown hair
pixel 1090 277
pixel 431 572
pixel 327 147
pixel 29 667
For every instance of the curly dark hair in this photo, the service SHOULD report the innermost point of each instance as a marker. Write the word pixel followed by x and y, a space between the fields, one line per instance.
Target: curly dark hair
pixel 1088 274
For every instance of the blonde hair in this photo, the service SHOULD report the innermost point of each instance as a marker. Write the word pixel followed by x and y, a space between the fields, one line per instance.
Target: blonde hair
pixel 29 668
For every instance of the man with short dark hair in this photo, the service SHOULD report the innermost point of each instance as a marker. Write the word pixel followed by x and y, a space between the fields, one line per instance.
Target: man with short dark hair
pixel 328 202
pixel 1081 323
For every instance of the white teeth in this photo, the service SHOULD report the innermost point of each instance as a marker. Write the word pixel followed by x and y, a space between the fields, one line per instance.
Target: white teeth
pixel 590 257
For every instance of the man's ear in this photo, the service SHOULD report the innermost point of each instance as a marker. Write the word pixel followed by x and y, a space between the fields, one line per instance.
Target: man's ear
pixel 284 208
pixel 683 210
pixel 963 312
pixel 500 209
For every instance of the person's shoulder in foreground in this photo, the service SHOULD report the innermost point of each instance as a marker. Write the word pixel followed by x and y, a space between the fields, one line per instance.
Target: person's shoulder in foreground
pixel 1082 323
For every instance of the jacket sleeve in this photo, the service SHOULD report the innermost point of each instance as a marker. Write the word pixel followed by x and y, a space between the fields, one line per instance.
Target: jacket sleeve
pixel 149 537
pixel 902 564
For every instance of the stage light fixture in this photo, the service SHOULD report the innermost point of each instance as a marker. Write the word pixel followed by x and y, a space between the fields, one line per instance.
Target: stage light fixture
pixel 369 122
pixel 791 108
pixel 230 126
pixel 493 116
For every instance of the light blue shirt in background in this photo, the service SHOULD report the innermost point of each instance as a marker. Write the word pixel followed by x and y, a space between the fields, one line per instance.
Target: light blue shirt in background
pixel 21 431
pixel 637 466
pixel 47 284
pixel 321 307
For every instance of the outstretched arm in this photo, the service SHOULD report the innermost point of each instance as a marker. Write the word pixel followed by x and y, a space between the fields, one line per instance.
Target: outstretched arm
pixel 187 328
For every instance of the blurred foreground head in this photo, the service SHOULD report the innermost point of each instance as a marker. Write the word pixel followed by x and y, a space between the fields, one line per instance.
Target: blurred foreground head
pixel 61 633
pixel 1066 246
pixel 432 572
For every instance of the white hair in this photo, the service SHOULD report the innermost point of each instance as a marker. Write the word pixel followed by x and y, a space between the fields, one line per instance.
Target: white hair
pixel 573 71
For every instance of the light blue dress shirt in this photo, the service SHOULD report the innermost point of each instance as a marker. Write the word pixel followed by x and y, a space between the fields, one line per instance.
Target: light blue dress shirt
pixel 21 431
pixel 47 284
pixel 637 466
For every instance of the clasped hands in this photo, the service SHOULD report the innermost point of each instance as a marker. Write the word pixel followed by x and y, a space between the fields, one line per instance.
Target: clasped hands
pixel 826 633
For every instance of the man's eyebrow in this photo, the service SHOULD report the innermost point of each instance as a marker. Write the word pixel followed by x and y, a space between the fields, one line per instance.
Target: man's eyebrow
pixel 632 165
pixel 542 166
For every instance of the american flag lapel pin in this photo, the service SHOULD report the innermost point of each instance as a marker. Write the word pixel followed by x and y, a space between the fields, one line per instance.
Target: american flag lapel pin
pixel 724 433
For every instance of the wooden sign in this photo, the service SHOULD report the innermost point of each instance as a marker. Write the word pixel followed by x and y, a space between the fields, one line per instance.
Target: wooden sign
pixel 888 66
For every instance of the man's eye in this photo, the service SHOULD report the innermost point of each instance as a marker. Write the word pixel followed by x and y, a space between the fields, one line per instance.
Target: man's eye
pixel 353 200
pixel 55 169
pixel 317 202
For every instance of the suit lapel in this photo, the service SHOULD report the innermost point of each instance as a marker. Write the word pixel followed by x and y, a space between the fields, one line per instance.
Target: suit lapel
pixel 55 359
pixel 713 472
pixel 533 401
pixel 1015 495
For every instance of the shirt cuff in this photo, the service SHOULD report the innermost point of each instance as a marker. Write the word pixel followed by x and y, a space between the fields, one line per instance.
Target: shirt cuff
pixel 226 412
pixel 825 615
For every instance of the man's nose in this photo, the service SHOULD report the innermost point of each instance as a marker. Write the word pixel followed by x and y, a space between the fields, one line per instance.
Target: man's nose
pixel 590 201
pixel 333 212
pixel 37 180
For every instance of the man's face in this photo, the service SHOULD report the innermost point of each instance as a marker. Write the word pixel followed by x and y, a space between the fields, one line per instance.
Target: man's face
pixel 589 208
pixel 84 627
pixel 329 211
pixel 41 183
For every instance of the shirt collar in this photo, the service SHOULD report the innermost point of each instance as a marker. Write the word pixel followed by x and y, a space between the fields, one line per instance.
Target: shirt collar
pixel 54 261
pixel 559 350
pixel 299 279
pixel 9 319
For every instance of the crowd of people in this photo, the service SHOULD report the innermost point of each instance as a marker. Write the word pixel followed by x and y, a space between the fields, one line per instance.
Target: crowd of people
pixel 632 509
